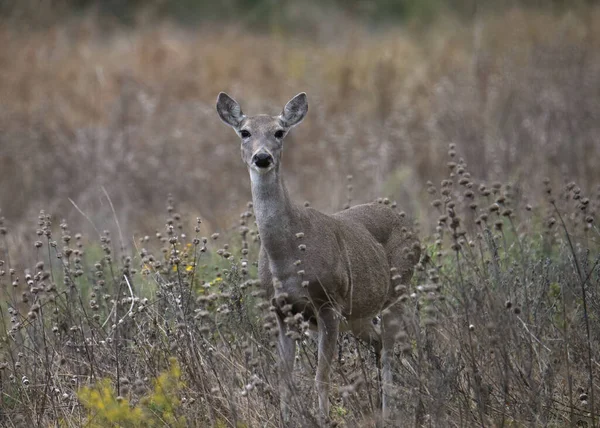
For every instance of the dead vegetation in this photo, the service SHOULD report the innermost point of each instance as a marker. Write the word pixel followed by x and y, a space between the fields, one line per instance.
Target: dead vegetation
pixel 487 132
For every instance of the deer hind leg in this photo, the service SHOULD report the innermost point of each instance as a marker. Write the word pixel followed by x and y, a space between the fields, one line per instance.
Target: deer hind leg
pixel 328 327
pixel 391 328
pixel 287 353
pixel 369 331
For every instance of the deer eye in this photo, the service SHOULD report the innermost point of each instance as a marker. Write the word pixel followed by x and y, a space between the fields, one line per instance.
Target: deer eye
pixel 279 133
pixel 244 133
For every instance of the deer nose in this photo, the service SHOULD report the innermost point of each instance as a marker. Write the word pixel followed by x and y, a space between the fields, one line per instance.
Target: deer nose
pixel 262 160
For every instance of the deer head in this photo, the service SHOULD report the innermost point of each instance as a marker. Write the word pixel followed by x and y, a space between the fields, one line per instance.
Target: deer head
pixel 262 135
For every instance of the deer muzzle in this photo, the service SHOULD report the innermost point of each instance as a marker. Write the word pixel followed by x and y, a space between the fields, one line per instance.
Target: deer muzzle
pixel 262 160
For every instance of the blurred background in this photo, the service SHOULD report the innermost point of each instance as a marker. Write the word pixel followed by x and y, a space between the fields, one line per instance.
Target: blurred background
pixel 117 98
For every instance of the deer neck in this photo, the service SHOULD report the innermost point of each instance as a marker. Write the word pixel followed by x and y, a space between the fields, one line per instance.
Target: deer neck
pixel 276 216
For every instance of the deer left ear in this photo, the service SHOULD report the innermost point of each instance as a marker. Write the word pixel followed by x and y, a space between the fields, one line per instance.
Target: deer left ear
pixel 295 110
pixel 229 110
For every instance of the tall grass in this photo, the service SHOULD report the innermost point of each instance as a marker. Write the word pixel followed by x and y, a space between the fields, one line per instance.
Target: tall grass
pixel 500 325
pixel 132 110
pixel 486 133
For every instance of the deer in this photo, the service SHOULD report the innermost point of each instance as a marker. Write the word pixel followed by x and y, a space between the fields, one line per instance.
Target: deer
pixel 341 271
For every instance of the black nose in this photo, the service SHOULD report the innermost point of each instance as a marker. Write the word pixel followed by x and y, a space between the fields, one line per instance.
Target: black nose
pixel 262 160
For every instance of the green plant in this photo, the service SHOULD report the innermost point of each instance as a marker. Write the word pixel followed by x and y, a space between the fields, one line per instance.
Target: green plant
pixel 105 408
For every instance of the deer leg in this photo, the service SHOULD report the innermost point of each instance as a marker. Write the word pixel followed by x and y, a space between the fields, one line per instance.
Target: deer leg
pixel 390 329
pixel 370 333
pixel 328 325
pixel 378 346
pixel 287 353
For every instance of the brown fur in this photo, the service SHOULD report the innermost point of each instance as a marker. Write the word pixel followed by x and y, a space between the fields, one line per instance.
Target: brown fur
pixel 347 259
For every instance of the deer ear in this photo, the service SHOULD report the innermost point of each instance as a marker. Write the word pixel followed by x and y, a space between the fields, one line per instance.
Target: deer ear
pixel 229 110
pixel 295 110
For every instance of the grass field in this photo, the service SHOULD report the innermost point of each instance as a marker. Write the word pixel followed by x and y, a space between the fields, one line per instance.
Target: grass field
pixel 128 250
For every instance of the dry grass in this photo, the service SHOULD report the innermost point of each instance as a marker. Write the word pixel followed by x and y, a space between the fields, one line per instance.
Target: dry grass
pixel 501 323
pixel 500 326
pixel 133 110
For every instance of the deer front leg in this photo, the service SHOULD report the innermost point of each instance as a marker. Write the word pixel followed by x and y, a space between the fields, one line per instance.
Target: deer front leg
pixel 287 353
pixel 328 326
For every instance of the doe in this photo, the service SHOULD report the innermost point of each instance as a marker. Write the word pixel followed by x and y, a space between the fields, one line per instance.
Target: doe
pixel 354 263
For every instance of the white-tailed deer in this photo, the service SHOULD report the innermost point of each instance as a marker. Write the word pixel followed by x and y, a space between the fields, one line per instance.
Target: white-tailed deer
pixel 339 271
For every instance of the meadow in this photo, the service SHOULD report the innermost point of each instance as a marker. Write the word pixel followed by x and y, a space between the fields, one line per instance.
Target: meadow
pixel 128 247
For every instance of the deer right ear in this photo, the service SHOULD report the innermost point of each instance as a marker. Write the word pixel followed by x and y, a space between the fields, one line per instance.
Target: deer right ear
pixel 229 110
